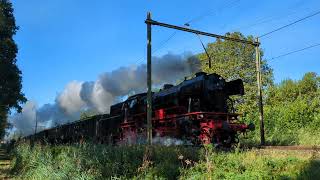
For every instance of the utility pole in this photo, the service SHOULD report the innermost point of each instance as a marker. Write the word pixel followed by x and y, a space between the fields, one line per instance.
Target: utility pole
pixel 256 44
pixel 36 126
pixel 259 83
pixel 149 94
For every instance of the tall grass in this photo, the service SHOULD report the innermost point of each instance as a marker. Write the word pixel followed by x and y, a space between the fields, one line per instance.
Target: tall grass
pixel 307 136
pixel 254 164
pixel 99 161
pixel 139 162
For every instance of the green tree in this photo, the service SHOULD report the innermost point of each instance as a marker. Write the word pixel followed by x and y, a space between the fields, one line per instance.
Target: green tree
pixel 233 60
pixel 292 106
pixel 10 75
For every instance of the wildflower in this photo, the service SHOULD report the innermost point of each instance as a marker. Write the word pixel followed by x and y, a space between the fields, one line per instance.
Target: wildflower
pixel 187 161
pixel 180 157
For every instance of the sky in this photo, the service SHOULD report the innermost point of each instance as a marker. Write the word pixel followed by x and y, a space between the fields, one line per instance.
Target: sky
pixel 62 41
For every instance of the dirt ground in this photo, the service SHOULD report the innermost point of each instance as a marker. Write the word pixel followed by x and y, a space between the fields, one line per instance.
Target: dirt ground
pixel 4 164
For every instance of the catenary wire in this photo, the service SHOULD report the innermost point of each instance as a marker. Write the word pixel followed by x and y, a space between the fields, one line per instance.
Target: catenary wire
pixel 295 51
pixel 196 19
pixel 290 24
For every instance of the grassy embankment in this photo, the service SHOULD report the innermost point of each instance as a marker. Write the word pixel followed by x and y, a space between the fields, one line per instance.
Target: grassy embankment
pixel 105 162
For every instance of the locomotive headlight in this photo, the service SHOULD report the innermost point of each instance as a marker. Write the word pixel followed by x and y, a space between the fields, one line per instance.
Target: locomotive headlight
pixel 200 116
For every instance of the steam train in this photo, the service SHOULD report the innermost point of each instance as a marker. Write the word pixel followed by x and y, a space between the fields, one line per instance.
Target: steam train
pixel 197 111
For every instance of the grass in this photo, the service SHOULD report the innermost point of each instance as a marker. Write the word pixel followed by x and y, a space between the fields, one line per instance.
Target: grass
pixel 98 161
pixel 256 164
pixel 4 163
pixel 303 137
pixel 139 162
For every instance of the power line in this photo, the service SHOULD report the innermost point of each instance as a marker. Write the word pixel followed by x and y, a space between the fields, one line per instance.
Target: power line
pixel 160 46
pixel 165 41
pixel 195 20
pixel 268 19
pixel 209 13
pixel 299 20
pixel 286 54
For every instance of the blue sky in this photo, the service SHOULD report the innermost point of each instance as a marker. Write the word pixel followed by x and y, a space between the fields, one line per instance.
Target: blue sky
pixel 64 40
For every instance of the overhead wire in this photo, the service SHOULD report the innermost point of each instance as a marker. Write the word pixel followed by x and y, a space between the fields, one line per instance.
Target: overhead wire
pixel 209 13
pixel 295 51
pixel 268 19
pixel 160 46
pixel 290 24
pixel 163 43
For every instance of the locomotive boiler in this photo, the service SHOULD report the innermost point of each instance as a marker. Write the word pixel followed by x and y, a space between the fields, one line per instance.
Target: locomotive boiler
pixel 197 111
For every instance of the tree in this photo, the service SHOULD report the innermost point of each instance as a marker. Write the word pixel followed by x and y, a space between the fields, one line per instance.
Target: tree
pixel 293 107
pixel 233 60
pixel 10 75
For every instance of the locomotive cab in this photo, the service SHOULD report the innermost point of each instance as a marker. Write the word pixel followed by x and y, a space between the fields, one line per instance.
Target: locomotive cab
pixel 217 92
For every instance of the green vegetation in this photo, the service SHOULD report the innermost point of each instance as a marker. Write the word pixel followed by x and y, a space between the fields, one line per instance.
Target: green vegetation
pixel 99 161
pixel 292 113
pixel 10 81
pixel 291 108
pixel 138 162
pixel 233 60
pixel 255 164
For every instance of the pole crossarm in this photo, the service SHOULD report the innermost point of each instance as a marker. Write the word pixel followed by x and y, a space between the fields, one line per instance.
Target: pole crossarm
pixel 255 43
pixel 152 22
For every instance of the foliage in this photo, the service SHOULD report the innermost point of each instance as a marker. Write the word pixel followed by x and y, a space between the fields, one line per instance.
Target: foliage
pixel 233 60
pixel 292 110
pixel 10 77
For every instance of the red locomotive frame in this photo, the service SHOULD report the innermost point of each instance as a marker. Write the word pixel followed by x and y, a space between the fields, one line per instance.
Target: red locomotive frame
pixel 218 128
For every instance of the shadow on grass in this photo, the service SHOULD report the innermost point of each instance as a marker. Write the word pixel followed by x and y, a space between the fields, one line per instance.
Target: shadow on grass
pixel 311 171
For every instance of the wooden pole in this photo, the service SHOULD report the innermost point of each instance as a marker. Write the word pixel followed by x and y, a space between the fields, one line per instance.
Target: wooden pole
pixel 259 83
pixel 149 82
pixel 256 44
pixel 36 126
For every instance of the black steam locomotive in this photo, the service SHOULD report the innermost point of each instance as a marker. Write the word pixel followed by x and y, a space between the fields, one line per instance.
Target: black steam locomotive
pixel 196 110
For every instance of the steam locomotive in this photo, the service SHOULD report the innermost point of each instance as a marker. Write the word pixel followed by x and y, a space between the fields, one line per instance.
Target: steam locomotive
pixel 197 111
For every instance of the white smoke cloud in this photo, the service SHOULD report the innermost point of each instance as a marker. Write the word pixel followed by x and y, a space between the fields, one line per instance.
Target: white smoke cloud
pixel 70 99
pixel 100 98
pixel 99 95
pixel 24 122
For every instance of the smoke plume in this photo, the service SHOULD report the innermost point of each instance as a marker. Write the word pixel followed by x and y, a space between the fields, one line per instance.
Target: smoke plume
pixel 99 95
